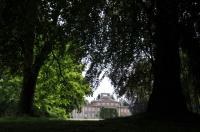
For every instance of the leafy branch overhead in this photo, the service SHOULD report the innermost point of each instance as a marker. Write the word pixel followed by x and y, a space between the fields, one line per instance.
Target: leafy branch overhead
pixel 29 37
pixel 136 43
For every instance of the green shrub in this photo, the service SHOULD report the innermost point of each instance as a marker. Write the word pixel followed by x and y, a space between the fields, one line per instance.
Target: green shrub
pixel 106 113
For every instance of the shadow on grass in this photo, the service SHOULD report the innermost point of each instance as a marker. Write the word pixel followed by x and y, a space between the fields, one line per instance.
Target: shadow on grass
pixel 137 123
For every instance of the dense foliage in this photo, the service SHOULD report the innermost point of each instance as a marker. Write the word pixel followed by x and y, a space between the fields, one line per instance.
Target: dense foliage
pixel 106 113
pixel 31 31
pixel 9 94
pixel 130 40
pixel 127 32
pixel 60 89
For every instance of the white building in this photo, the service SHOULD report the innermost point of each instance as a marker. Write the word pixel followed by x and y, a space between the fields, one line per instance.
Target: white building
pixel 92 110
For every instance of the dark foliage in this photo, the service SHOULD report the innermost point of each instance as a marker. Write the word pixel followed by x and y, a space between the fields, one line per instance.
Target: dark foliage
pixel 106 113
pixel 118 37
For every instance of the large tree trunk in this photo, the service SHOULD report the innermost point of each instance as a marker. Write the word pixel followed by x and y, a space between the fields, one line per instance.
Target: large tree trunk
pixel 167 97
pixel 30 73
pixel 33 63
pixel 190 45
pixel 27 94
pixel 30 78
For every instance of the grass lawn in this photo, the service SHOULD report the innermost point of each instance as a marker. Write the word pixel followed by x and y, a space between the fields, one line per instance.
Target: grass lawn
pixel 128 124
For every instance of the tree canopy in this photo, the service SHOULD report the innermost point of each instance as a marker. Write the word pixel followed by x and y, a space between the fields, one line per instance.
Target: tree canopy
pixel 31 31
pixel 60 88
pixel 129 31
pixel 121 36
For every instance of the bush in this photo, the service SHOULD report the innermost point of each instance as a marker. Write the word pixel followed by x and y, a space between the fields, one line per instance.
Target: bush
pixel 106 113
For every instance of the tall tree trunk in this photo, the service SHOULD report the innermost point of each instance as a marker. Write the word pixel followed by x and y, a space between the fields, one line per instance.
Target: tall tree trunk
pixel 28 90
pixel 167 97
pixel 30 78
pixel 190 45
pixel 33 64
pixel 29 9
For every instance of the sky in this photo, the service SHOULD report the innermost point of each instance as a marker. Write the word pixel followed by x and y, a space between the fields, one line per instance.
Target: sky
pixel 104 87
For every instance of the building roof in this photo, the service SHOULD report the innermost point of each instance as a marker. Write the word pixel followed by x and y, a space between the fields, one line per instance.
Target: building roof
pixel 104 98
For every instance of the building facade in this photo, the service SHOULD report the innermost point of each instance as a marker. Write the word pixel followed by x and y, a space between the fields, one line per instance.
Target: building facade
pixel 92 110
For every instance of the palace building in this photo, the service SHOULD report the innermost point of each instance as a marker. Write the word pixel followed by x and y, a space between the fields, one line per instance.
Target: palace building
pixel 92 110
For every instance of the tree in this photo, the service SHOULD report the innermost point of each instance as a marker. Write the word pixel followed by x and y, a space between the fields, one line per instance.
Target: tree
pixel 189 88
pixel 139 86
pixel 167 94
pixel 45 41
pixel 106 113
pixel 10 86
pixel 132 30
pixel 11 29
pixel 59 93
pixel 189 27
pixel 32 30
pixel 115 35
pixel 60 88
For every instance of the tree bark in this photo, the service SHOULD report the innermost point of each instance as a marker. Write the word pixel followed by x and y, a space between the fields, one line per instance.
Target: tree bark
pixel 190 46
pixel 28 35
pixel 167 97
pixel 31 63
pixel 27 93
pixel 30 78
